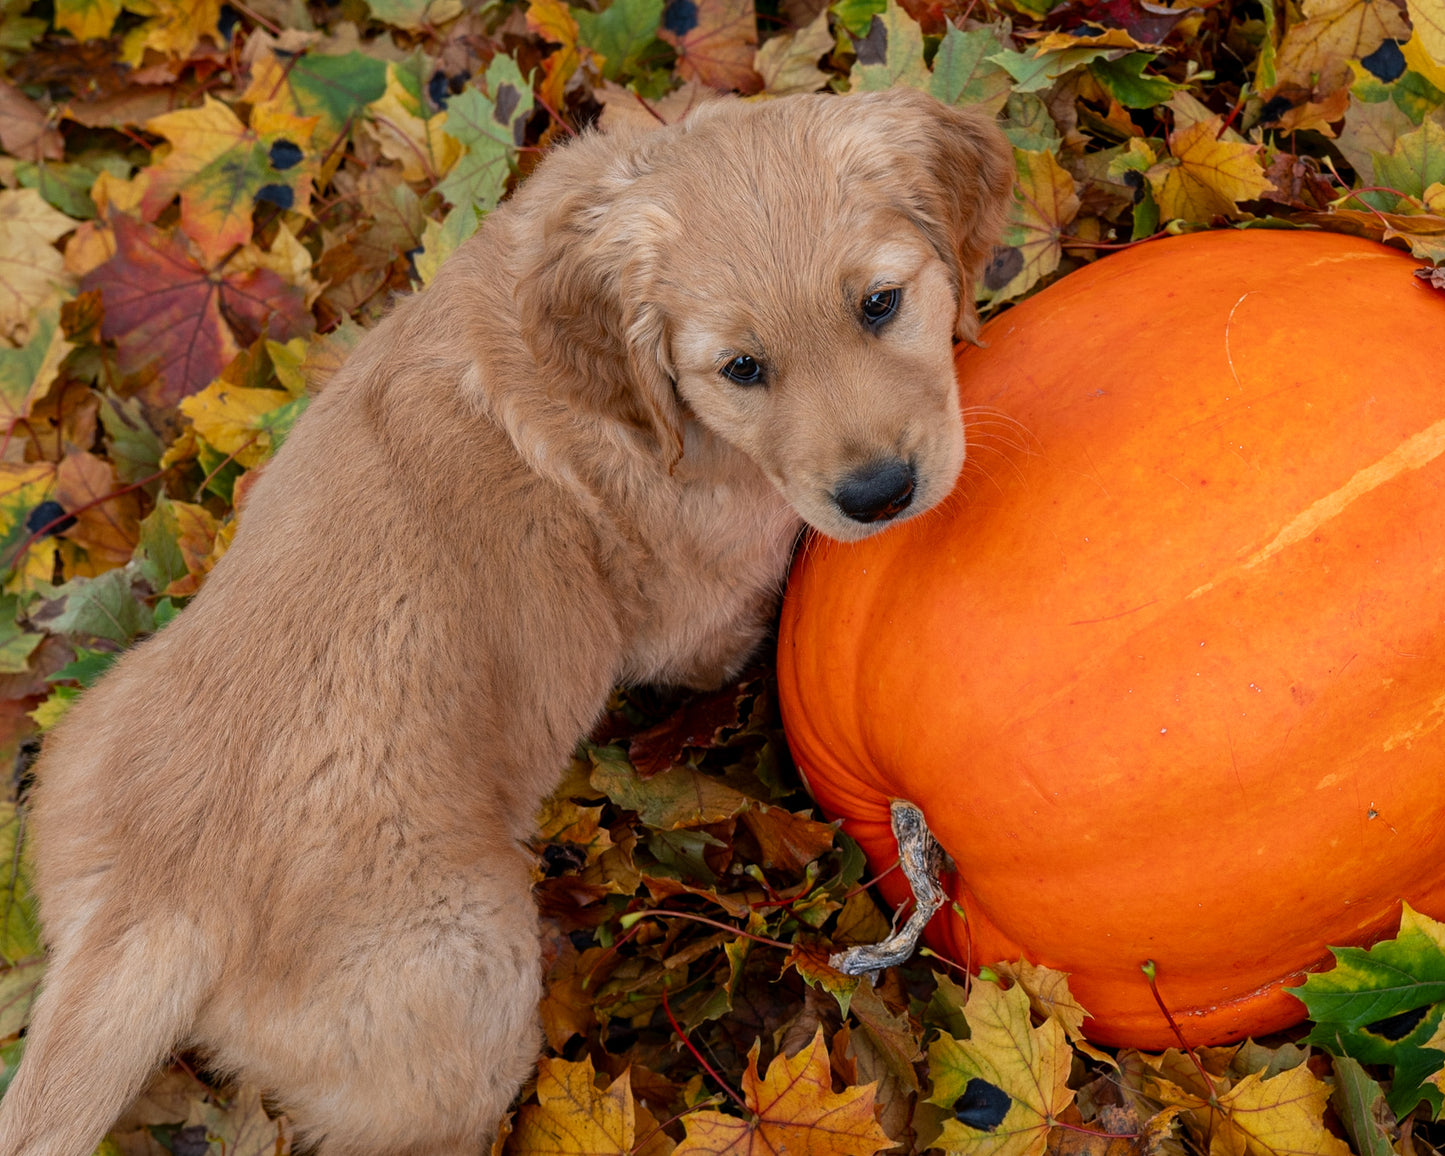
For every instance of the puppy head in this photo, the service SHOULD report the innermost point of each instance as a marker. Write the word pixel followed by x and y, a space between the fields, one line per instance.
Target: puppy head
pixel 791 274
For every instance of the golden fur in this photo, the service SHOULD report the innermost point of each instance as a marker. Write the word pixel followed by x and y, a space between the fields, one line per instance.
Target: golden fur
pixel 289 830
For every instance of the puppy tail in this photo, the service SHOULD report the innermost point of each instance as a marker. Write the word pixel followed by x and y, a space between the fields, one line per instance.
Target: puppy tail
pixel 102 1024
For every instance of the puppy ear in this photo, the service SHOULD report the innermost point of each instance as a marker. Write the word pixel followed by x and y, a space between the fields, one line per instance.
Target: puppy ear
pixel 962 198
pixel 586 290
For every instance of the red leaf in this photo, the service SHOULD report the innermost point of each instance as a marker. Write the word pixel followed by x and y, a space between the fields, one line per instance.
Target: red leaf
pixel 169 314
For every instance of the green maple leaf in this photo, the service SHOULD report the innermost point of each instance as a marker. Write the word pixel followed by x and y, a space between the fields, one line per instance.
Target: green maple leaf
pixel 963 72
pixel 1037 71
pixel 16 643
pixel 622 35
pixel 1416 162
pixel 490 125
pixel 856 16
pixel 20 947
pixel 891 54
pixel 1124 80
pixel 104 607
pixel 335 88
pixel 1383 1006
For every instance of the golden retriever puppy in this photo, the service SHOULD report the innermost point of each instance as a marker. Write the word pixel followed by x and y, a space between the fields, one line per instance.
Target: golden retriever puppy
pixel 289 831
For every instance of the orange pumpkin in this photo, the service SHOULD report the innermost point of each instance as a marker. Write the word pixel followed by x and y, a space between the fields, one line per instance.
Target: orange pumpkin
pixel 1167 672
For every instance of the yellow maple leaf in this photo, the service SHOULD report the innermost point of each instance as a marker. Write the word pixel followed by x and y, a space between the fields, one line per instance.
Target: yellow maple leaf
pixel 231 418
pixel 1049 995
pixel 1204 177
pixel 1260 1117
pixel 174 29
pixel 32 271
pixel 1007 1083
pixel 287 258
pixel 1045 203
pixel 1428 19
pixel 197 536
pixel 217 165
pixel 795 1110
pixel 408 135
pixel 572 1117
pixel 553 21
pixel 1333 32
pixel 86 19
pixel 27 374
pixel 23 486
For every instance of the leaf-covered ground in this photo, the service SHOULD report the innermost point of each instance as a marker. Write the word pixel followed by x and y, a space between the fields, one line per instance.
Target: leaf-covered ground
pixel 202 205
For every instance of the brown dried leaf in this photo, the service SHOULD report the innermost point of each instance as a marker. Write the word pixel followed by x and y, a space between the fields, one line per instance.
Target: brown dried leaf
pixel 25 129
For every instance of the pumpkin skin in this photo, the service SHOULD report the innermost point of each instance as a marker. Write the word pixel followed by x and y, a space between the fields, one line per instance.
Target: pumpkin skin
pixel 1166 673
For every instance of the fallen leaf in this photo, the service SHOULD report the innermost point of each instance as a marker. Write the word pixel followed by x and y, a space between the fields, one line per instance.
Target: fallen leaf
pixel 891 53
pixel 963 72
pixel 241 1125
pixel 87 19
pixel 1384 1006
pixel 32 271
pixel 221 168
pixel 409 134
pixel 554 23
pixel 415 15
pixel 1416 162
pixel 715 41
pixel 488 126
pixel 788 63
pixel 1007 1083
pixel 1335 31
pixel 699 723
pixel 178 540
pixel 678 797
pixel 794 1110
pixel 171 316
pixel 1049 996
pixel 1280 1116
pixel 25 129
pixel 174 28
pixel 1427 17
pixel 27 373
pixel 23 487
pixel 107 523
pixel 1205 176
pixel 621 35
pixel 572 1117
pixel 334 89
pixel 1360 1104
pixel 1045 202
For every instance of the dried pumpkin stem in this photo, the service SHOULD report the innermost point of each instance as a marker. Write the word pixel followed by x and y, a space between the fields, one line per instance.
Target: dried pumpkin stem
pixel 922 859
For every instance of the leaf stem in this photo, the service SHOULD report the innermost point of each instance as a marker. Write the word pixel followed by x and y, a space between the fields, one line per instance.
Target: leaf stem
pixel 1149 968
pixel 738 931
pixel 699 1057
pixel 39 533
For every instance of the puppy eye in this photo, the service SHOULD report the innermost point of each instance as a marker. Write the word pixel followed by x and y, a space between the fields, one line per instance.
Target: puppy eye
pixel 743 370
pixel 880 306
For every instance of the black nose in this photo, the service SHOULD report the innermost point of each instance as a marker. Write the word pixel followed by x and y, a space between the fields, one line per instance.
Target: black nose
pixel 876 492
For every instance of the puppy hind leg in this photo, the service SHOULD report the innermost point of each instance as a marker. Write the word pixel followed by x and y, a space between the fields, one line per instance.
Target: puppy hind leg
pixel 102 1023
pixel 452 1033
